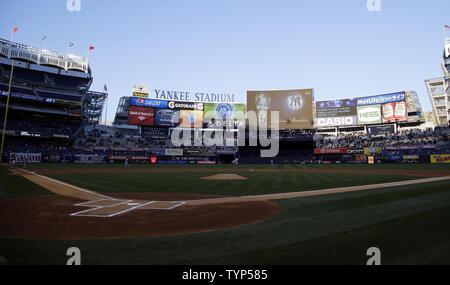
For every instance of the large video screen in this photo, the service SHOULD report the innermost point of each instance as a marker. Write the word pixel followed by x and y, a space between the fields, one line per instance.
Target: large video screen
pixel 141 116
pixel 394 112
pixel 294 107
pixel 191 119
pixel 224 111
pixel 335 113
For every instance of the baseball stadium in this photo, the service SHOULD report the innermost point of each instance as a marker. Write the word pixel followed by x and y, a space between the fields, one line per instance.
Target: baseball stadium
pixel 288 177
pixel 364 172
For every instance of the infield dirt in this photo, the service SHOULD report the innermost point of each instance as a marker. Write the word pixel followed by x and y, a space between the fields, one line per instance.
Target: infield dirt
pixel 49 217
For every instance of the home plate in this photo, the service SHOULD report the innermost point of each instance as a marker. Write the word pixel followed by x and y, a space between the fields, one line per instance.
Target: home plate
pixel 224 177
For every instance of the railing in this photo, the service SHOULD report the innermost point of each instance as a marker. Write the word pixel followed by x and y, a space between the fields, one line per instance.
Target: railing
pixel 42 56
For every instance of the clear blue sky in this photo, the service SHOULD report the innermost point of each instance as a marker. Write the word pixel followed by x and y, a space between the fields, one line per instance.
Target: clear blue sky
pixel 336 47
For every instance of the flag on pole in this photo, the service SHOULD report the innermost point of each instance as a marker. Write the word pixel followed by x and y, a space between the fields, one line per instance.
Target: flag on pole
pixel 15 29
pixel 91 48
pixel 70 44
pixel 43 37
pixel 105 88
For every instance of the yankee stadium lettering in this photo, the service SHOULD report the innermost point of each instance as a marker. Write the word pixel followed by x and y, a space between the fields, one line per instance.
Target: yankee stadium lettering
pixel 198 97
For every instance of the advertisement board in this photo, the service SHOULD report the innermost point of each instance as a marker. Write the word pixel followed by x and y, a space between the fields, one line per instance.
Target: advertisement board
pixel 335 121
pixel 129 157
pixel 402 147
pixel 336 108
pixel 410 157
pixel 140 90
pixel 371 150
pixel 206 162
pixel 355 151
pixel 330 150
pixel 395 157
pixel 174 152
pixel 371 160
pixel 294 107
pixel 167 117
pixel 143 102
pixel 137 94
pixel 441 158
pixel 199 106
pixel 191 119
pixel 28 157
pixel 89 158
pixel 381 99
pixel 375 130
pixel 174 162
pixel 394 112
pixel 428 146
pixel 369 114
pixel 141 116
pixel 223 111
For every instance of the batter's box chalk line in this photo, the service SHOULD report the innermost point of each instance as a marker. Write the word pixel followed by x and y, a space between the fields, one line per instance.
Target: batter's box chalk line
pixel 95 206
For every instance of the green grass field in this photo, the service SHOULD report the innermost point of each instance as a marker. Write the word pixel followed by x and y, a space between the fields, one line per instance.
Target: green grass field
pixel 409 223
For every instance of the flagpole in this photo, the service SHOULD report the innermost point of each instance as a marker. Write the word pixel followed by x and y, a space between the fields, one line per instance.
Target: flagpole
pixel 106 107
pixel 445 37
pixel 40 49
pixel 446 27
pixel 40 44
pixel 69 45
pixel 7 99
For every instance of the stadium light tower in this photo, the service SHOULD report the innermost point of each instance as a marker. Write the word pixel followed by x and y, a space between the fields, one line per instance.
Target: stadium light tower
pixel 7 99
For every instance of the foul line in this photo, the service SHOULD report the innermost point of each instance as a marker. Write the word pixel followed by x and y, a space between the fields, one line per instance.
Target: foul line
pixel 68 185
pixel 290 195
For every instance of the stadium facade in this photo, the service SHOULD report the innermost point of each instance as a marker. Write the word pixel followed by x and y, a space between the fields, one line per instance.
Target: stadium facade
pixel 49 101
pixel 54 117
pixel 439 90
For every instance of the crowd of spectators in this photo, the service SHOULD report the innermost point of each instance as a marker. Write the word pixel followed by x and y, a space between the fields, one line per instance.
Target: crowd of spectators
pixel 114 141
pixel 35 145
pixel 43 126
pixel 118 142
pixel 409 137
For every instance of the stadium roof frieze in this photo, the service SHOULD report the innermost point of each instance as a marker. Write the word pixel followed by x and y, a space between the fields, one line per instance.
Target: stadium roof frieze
pixel 14 50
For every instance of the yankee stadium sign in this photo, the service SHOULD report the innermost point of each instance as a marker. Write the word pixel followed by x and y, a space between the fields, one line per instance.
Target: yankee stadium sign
pixel 193 96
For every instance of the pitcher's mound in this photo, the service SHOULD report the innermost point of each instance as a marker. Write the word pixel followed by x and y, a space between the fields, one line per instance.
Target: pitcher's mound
pixel 225 177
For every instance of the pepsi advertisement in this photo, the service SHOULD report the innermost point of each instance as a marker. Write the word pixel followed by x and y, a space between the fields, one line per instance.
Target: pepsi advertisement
pixel 143 102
